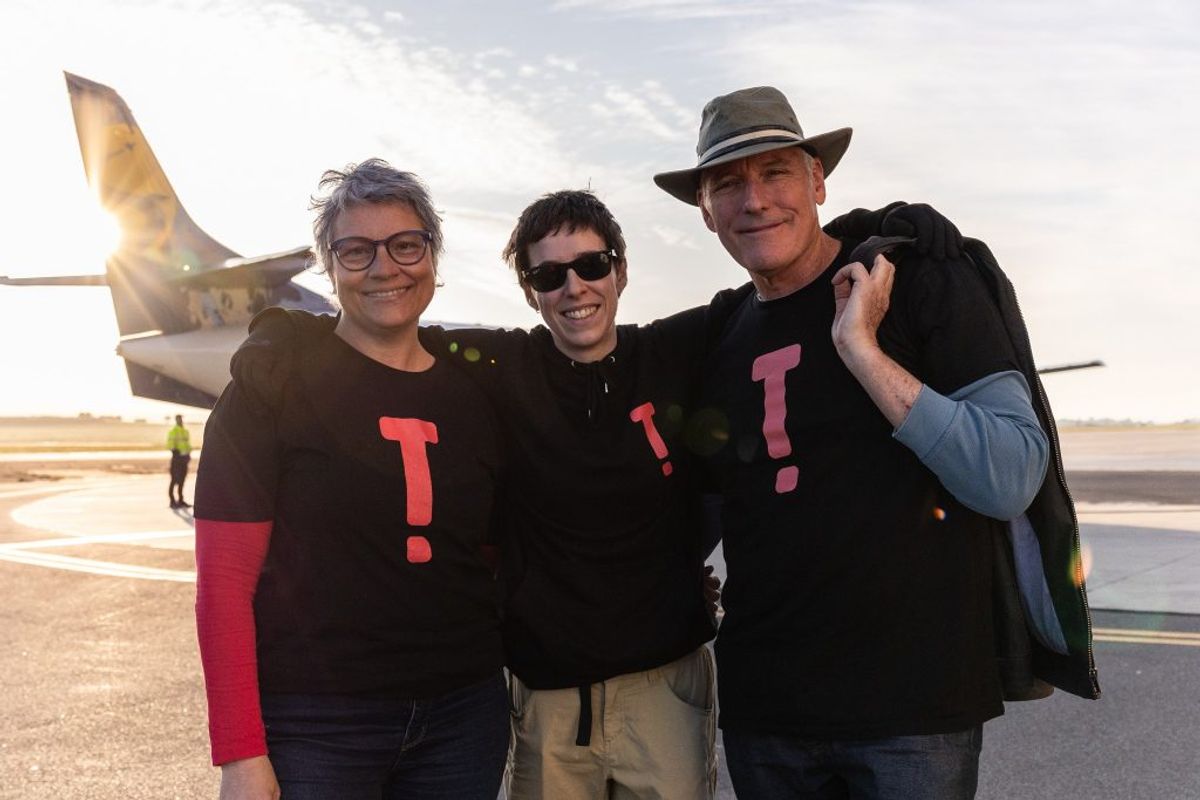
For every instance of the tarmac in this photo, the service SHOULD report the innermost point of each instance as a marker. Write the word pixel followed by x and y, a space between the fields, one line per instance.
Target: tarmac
pixel 101 695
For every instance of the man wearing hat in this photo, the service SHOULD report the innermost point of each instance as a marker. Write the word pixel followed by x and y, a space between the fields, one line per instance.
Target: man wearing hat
pixel 870 422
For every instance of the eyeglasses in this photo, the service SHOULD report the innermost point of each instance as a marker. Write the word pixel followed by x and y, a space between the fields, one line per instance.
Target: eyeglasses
pixel 357 253
pixel 551 275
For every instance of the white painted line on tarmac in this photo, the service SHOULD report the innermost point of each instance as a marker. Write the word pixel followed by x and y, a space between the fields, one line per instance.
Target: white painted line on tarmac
pixel 25 552
pixel 96 567
pixel 89 455
pixel 51 489
pixel 99 538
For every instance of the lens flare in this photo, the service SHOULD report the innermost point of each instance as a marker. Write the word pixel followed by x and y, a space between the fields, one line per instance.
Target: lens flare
pixel 102 232
pixel 1081 565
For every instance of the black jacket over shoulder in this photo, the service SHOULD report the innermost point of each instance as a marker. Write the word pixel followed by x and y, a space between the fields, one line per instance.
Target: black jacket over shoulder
pixel 1025 659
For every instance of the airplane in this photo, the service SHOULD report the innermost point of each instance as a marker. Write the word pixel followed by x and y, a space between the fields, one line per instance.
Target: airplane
pixel 182 299
pixel 1070 367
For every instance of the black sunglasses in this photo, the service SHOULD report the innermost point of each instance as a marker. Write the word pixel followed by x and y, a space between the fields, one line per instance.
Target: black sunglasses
pixel 406 248
pixel 551 275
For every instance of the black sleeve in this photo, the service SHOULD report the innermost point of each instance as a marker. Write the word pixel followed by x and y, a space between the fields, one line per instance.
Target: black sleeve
pixel 693 333
pixel 860 224
pixel 935 235
pixel 680 337
pixel 265 362
pixel 483 353
pixel 239 464
pixel 959 333
pixel 471 348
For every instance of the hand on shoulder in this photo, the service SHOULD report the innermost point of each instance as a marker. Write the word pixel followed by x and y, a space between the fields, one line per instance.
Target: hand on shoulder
pixel 263 363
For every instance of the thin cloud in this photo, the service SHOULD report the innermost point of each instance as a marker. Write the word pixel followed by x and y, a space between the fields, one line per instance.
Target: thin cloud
pixel 1061 133
pixel 640 112
pixel 675 10
pixel 673 237
pixel 565 64
pixel 1061 127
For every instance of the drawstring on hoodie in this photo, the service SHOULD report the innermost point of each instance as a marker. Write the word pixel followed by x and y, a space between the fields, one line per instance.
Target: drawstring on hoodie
pixel 597 384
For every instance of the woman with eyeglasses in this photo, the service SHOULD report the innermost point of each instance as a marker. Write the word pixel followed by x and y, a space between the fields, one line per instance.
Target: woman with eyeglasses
pixel 605 614
pixel 348 621
pixel 606 618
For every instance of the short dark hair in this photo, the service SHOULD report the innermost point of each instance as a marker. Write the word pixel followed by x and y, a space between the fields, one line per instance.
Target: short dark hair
pixel 567 210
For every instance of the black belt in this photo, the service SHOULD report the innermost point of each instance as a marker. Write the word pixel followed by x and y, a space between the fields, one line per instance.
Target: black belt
pixel 583 737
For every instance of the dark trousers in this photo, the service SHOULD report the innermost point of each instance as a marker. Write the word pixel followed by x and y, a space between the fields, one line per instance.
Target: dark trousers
pixel 935 767
pixel 179 471
pixel 343 747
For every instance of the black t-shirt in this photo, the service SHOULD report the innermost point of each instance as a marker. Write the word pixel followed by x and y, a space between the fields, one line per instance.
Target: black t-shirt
pixel 602 556
pixel 380 484
pixel 857 603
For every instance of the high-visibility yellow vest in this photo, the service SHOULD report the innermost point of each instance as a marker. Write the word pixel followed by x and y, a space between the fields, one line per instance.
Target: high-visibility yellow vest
pixel 178 439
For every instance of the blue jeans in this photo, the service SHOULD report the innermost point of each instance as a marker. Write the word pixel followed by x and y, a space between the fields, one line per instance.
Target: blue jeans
pixel 941 766
pixel 344 747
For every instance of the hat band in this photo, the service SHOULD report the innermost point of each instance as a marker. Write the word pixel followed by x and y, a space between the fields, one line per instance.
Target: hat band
pixel 726 145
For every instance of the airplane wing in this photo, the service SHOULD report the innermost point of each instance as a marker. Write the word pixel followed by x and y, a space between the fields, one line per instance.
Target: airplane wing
pixel 267 271
pixel 56 280
pixel 1069 367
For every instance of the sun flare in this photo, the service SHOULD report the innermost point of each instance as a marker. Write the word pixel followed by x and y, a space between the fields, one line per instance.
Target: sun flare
pixel 102 232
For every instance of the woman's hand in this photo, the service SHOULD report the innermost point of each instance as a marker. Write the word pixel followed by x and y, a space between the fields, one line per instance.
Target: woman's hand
pixel 249 779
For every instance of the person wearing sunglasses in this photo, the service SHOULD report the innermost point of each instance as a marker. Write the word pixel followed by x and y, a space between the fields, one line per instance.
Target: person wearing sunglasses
pixel 348 622
pixel 611 686
pixel 601 561
pixel 606 615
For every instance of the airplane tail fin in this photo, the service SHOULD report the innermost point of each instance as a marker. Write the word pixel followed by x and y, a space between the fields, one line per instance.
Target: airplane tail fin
pixel 182 299
pixel 160 242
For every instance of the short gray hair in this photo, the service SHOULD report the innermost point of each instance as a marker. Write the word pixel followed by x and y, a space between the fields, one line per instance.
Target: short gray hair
pixel 372 181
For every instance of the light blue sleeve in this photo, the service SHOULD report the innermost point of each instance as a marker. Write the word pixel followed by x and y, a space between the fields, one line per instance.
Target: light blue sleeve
pixel 983 442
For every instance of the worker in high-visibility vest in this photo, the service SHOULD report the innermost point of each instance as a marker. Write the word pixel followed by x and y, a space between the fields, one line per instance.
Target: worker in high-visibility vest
pixel 180 445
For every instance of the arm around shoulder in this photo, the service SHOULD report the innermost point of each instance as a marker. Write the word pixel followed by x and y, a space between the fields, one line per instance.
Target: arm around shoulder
pixel 266 360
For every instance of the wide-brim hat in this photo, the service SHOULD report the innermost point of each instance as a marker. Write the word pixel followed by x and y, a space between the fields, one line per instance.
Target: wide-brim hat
pixel 744 123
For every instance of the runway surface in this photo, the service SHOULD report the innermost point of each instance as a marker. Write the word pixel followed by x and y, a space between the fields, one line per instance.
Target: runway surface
pixel 101 695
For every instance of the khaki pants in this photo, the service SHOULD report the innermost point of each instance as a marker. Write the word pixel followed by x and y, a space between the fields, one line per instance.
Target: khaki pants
pixel 652 737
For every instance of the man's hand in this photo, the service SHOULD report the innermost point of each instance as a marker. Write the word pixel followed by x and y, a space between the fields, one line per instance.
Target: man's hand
pixel 249 779
pixel 860 301
pixel 712 591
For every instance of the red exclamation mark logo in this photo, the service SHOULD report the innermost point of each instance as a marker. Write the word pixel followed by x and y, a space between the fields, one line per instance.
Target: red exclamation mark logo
pixel 770 368
pixel 645 415
pixel 413 435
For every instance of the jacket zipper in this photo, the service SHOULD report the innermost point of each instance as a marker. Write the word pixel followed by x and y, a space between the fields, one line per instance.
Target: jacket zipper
pixel 1077 548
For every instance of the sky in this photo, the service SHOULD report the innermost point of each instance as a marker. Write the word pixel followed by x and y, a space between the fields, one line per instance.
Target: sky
pixel 1063 134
